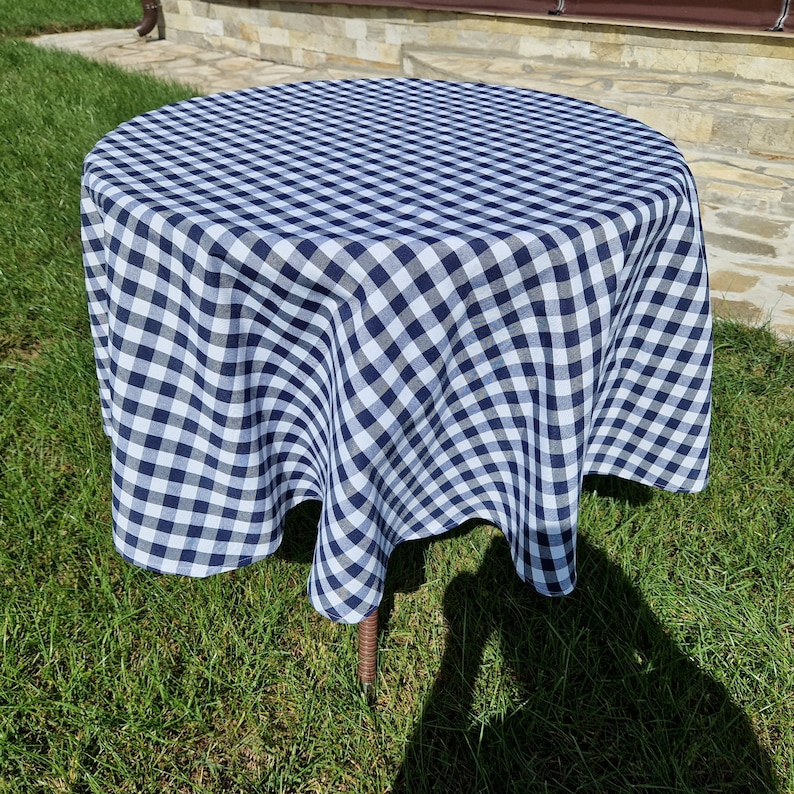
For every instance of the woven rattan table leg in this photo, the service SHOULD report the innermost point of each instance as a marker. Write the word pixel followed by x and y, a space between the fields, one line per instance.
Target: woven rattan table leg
pixel 368 651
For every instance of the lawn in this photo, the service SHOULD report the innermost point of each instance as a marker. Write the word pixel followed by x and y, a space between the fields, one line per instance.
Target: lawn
pixel 29 17
pixel 670 669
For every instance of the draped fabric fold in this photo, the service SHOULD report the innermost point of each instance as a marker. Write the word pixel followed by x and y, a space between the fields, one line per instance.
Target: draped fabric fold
pixel 417 302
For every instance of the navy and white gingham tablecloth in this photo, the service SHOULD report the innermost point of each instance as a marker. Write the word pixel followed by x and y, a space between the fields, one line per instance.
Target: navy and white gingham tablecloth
pixel 418 302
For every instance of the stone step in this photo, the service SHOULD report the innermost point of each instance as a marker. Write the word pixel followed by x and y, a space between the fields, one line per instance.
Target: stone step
pixel 692 109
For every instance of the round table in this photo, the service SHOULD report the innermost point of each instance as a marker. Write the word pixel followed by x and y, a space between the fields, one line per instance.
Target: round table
pixel 418 302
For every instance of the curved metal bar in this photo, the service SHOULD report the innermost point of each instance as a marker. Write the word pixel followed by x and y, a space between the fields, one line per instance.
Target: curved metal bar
pixel 150 15
pixel 778 26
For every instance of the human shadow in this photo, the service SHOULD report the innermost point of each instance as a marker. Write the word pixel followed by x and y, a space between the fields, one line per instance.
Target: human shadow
pixel 600 698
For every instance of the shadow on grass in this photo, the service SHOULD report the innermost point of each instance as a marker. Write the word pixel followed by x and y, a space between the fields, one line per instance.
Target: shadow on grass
pixel 300 533
pixel 600 698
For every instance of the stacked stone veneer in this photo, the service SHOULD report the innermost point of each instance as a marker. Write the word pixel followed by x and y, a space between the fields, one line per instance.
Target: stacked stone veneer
pixel 319 34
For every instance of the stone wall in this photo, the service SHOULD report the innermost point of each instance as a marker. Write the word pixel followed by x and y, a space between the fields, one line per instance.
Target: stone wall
pixel 320 34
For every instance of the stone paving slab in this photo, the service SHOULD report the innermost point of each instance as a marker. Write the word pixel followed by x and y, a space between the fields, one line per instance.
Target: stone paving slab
pixel 747 200
pixel 206 71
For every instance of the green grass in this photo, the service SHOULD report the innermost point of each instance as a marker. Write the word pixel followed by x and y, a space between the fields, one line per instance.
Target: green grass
pixel 670 669
pixel 30 17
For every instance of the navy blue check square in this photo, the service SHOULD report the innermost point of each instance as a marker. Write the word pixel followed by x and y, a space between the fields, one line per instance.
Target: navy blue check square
pixel 418 302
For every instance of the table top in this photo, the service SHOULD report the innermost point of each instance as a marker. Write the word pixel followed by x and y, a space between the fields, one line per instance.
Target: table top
pixel 418 302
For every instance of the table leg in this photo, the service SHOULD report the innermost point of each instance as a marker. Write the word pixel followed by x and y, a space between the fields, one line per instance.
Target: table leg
pixel 368 652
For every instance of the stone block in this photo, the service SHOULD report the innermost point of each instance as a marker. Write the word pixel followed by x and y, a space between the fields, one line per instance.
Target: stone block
pixel 356 29
pixel 404 16
pixel 231 29
pixel 613 104
pixel 658 87
pixel 412 36
pixel 223 11
pixel 567 49
pixel 274 37
pixel 309 23
pixel 376 30
pixel 782 48
pixel 767 70
pixel 782 325
pixel 258 17
pixel 270 52
pixel 307 58
pixel 228 44
pixel 500 66
pixel 442 37
pixel 733 131
pixel 475 40
pixel 660 59
pixel 249 33
pixel 376 52
pixel 380 14
pixel 484 24
pixel 337 45
pixel 763 199
pixel 719 63
pixel 606 52
pixel 213 27
pixel 301 40
pixel 657 38
pixel 661 118
pixel 693 126
pixel 394 34
pixel 773 136
pixel 194 24
pixel 330 25
pixel 177 24
pixel 188 37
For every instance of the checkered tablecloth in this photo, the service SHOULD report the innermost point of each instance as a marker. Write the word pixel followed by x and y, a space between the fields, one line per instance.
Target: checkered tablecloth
pixel 418 302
